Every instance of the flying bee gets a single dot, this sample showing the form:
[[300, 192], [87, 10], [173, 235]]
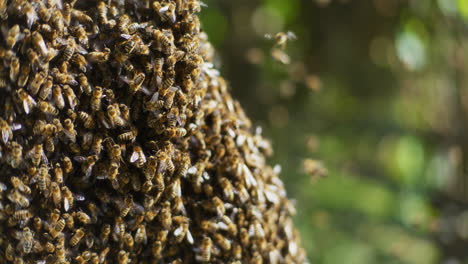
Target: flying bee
[[47, 108], [138, 157], [56, 193], [13, 36], [14, 69], [7, 130], [96, 99], [76, 238], [18, 184], [128, 136], [314, 168], [69, 130], [71, 97], [281, 38], [39, 44], [99, 56], [18, 199], [46, 88], [37, 82], [37, 155]]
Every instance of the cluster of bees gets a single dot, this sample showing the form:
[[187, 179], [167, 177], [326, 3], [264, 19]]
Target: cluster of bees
[[120, 142]]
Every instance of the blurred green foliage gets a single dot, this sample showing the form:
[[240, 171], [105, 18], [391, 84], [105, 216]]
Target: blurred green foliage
[[378, 90]]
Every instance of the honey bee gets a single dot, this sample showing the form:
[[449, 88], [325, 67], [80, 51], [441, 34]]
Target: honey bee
[[83, 217], [138, 157], [13, 36], [173, 132], [69, 130], [39, 43], [7, 130], [37, 155], [81, 16], [87, 164], [71, 97], [43, 178], [26, 100], [84, 84], [67, 165], [165, 216], [228, 189], [126, 205], [22, 215], [9, 252], [150, 168], [27, 240], [136, 82], [14, 69], [18, 184], [68, 199], [113, 112], [166, 12], [281, 38], [123, 257], [76, 238], [69, 221], [96, 99], [122, 23], [314, 168], [102, 12], [206, 248], [140, 235], [46, 88], [56, 193], [88, 121], [47, 108], [128, 136], [222, 241], [49, 247], [163, 42], [156, 250], [57, 228], [105, 232], [36, 83], [98, 56]]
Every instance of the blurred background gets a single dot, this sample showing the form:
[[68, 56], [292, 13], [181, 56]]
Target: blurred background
[[377, 90]]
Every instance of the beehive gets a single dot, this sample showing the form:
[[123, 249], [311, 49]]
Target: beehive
[[120, 142]]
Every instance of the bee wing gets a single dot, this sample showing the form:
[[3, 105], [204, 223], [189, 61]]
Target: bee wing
[[66, 204], [5, 135], [291, 35], [134, 157]]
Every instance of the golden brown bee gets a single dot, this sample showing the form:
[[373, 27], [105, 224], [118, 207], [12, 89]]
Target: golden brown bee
[[205, 248], [69, 130], [166, 12], [67, 165], [165, 216], [113, 112], [49, 247], [37, 155], [71, 97], [22, 215], [136, 82], [105, 232], [96, 99], [140, 235], [227, 188], [46, 88], [47, 108], [163, 42], [14, 69], [126, 205], [69, 221], [83, 217], [98, 56], [27, 240], [39, 43], [18, 184], [26, 100], [123, 257], [68, 199], [84, 84], [56, 193], [13, 36], [314, 168], [81, 16], [76, 238], [281, 38], [43, 178], [138, 157], [7, 130], [88, 121], [57, 228], [128, 136], [175, 132], [122, 23], [156, 250], [9, 252], [36, 82]]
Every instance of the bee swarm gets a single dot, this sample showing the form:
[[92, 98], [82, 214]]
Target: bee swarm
[[120, 142]]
